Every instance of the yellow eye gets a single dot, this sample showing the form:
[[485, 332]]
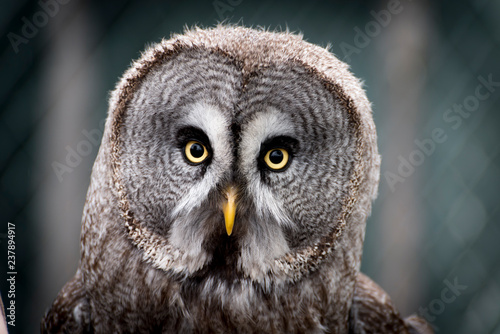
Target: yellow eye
[[276, 159], [195, 152]]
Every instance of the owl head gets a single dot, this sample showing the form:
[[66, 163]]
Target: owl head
[[239, 153]]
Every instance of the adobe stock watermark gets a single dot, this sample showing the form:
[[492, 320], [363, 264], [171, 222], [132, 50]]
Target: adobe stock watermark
[[453, 116], [10, 307], [223, 6], [437, 306], [74, 156], [30, 28], [372, 29]]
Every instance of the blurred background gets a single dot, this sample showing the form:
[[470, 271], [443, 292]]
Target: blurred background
[[431, 70]]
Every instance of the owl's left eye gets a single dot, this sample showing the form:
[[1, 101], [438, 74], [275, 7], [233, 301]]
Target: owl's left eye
[[277, 153], [195, 152], [276, 158]]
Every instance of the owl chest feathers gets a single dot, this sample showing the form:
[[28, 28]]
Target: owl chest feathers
[[222, 303], [215, 299]]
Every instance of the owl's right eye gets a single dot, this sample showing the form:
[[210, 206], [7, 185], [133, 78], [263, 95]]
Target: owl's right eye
[[195, 152]]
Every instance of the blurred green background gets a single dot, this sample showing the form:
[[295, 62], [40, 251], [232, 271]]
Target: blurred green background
[[431, 70]]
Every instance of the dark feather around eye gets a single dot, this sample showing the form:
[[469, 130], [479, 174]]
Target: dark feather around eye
[[186, 134]]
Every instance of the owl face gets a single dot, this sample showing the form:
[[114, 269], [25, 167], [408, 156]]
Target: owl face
[[231, 170], [235, 153]]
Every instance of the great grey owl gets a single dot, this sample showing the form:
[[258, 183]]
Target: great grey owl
[[230, 194]]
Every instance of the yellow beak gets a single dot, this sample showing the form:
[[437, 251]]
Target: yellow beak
[[229, 208]]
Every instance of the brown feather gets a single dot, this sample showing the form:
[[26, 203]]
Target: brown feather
[[372, 311]]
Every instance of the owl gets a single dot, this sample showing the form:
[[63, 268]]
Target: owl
[[230, 195]]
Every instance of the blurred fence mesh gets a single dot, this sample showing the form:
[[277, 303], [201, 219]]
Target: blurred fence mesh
[[431, 70]]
